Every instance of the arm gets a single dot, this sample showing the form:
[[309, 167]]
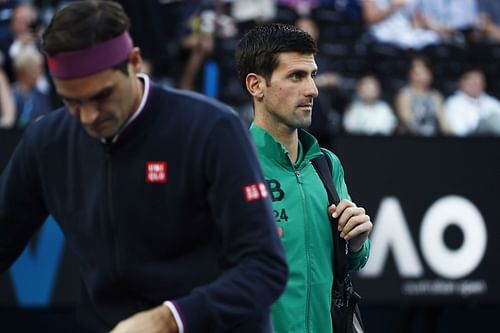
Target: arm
[[390, 121], [350, 119], [443, 125], [403, 110], [372, 14], [489, 27], [355, 224], [21, 206], [255, 269], [7, 106], [426, 22], [452, 111]]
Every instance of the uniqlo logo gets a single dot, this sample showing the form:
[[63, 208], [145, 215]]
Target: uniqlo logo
[[255, 192], [156, 172], [51, 62]]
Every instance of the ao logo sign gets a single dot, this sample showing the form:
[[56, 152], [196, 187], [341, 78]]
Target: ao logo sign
[[390, 233]]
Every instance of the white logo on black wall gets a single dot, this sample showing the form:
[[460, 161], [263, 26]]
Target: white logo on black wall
[[391, 233]]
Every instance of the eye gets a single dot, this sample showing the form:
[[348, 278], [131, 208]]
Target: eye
[[102, 96], [297, 75]]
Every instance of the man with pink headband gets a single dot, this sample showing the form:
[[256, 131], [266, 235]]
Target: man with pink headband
[[158, 192]]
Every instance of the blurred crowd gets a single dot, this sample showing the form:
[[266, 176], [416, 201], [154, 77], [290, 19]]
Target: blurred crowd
[[386, 67]]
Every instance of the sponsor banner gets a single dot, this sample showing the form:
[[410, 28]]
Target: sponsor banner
[[434, 203]]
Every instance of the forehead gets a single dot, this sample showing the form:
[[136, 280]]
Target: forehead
[[368, 80], [289, 61], [473, 76], [88, 85], [420, 66]]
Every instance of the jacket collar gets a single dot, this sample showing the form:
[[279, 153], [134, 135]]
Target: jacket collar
[[271, 149]]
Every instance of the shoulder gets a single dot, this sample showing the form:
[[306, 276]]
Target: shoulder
[[404, 91], [333, 158], [436, 95], [191, 103], [51, 125], [491, 99], [456, 98], [48, 132], [195, 116], [338, 174]]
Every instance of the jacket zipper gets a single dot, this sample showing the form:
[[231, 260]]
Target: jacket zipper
[[308, 259], [109, 192]]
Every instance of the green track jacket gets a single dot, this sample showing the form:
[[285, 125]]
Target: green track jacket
[[300, 205]]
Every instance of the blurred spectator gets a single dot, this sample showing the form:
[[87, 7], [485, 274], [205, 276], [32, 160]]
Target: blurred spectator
[[301, 7], [419, 107], [7, 108], [24, 28], [198, 40], [453, 22], [249, 13], [394, 22], [368, 114], [489, 19], [471, 111], [30, 101], [6, 8], [206, 21]]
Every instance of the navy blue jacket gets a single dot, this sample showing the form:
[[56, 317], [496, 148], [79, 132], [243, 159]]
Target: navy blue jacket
[[199, 236]]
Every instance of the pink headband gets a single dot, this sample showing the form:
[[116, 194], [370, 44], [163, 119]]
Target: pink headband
[[80, 63]]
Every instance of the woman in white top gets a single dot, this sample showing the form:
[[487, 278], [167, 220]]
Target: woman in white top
[[368, 114]]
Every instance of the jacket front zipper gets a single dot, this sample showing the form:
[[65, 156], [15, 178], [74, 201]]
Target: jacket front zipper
[[306, 246], [109, 196]]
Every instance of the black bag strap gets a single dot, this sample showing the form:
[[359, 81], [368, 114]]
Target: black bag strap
[[324, 169]]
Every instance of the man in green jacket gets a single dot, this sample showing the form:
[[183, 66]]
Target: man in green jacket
[[276, 64]]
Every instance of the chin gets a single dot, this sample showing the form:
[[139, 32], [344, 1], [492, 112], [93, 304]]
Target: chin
[[304, 125], [98, 134]]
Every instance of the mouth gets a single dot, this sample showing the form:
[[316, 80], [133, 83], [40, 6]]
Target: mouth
[[307, 106]]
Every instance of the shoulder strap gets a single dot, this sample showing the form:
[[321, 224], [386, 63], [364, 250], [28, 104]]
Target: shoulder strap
[[324, 169]]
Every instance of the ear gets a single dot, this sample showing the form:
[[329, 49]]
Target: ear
[[135, 59], [255, 85]]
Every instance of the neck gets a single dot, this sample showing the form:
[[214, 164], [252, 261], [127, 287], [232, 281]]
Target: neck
[[24, 87], [418, 88], [285, 135], [138, 97]]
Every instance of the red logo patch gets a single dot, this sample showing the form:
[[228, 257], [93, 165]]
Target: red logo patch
[[254, 192], [156, 172], [51, 62]]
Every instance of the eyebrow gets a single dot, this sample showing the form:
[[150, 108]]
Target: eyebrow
[[302, 72], [98, 96]]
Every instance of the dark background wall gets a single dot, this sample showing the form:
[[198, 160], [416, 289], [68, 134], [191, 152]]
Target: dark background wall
[[411, 283]]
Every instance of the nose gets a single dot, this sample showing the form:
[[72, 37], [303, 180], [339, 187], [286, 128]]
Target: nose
[[311, 89], [88, 113]]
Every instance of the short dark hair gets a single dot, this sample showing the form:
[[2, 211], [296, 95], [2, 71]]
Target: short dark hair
[[83, 24], [258, 50], [420, 59]]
